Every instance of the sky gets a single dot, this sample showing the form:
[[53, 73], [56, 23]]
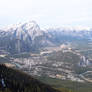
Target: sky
[[47, 13]]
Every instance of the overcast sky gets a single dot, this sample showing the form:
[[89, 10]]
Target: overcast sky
[[47, 13]]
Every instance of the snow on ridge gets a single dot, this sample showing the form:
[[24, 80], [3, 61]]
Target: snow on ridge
[[27, 25], [70, 28], [33, 25]]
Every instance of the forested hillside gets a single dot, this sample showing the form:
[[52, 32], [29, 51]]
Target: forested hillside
[[15, 81]]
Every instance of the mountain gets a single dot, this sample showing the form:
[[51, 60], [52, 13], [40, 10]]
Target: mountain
[[26, 37], [70, 34], [23, 38], [12, 80], [60, 57]]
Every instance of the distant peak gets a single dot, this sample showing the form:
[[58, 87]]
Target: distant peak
[[70, 28], [26, 25]]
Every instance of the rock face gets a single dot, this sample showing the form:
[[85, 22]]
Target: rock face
[[84, 62], [23, 38]]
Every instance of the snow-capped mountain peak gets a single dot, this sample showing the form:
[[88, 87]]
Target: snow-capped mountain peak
[[70, 28], [26, 36], [14, 26]]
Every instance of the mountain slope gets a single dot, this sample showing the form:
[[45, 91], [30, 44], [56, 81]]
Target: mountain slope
[[23, 38], [28, 37], [15, 81]]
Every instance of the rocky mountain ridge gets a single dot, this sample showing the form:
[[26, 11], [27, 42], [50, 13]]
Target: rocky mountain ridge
[[26, 37]]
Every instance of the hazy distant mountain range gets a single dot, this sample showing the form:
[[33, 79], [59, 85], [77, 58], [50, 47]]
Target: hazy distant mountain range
[[28, 36]]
